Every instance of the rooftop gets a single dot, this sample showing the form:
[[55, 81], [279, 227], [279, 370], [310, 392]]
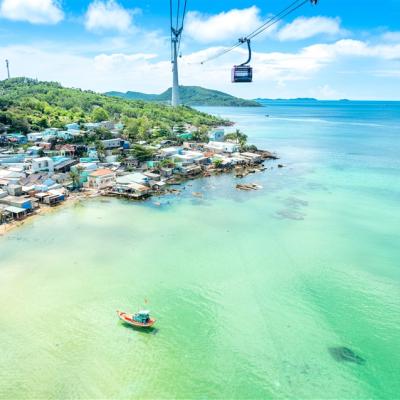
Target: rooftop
[[101, 172]]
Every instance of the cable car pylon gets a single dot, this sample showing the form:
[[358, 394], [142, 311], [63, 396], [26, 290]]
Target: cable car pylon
[[175, 100], [176, 36]]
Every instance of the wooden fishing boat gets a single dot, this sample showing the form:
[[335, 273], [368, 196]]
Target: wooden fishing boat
[[141, 319]]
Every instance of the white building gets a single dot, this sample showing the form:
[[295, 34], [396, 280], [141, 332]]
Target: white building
[[101, 179], [42, 164], [189, 156], [170, 151], [222, 147], [112, 143], [133, 178], [34, 136]]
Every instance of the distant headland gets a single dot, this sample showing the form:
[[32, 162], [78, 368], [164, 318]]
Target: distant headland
[[190, 96]]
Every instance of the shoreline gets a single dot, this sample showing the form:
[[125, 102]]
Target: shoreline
[[75, 197]]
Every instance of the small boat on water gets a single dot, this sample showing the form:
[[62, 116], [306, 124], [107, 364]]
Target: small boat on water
[[141, 319]]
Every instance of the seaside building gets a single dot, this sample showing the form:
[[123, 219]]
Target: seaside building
[[101, 179], [17, 201], [222, 147], [42, 164], [137, 177], [135, 190], [14, 190], [188, 156], [217, 135]]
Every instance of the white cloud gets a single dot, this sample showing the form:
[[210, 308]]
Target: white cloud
[[108, 15], [228, 25], [354, 48], [325, 92], [391, 36], [111, 62], [281, 67], [387, 73], [304, 28], [273, 71], [33, 11]]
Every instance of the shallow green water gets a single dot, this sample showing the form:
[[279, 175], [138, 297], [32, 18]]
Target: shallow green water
[[250, 289]]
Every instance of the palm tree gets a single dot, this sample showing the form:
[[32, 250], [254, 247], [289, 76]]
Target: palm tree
[[101, 151], [239, 137], [75, 175], [2, 216], [76, 178]]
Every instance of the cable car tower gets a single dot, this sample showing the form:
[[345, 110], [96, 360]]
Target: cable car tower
[[8, 69], [177, 22], [244, 72]]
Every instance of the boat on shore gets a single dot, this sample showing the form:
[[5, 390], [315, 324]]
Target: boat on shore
[[141, 319]]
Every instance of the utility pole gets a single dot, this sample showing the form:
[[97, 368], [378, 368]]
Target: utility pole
[[8, 69], [175, 101]]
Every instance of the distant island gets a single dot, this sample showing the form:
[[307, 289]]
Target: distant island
[[295, 100], [190, 96]]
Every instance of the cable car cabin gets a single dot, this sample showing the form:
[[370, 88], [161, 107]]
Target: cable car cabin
[[242, 74]]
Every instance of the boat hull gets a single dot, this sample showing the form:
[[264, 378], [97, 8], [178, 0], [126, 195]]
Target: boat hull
[[127, 318]]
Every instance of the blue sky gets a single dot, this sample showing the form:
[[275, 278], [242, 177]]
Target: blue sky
[[337, 49]]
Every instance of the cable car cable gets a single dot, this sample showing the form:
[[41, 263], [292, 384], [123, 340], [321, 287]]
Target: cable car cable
[[272, 21], [182, 25], [177, 15], [276, 21], [170, 19], [254, 33]]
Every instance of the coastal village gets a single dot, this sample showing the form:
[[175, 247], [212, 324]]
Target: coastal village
[[40, 170]]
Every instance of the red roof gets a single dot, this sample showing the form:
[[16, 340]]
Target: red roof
[[102, 172]]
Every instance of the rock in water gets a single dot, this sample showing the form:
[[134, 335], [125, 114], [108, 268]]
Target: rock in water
[[344, 354]]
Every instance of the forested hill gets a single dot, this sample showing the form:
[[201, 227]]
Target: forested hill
[[191, 96], [30, 105]]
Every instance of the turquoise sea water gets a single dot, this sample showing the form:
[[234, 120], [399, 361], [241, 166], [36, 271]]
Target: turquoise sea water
[[253, 291]]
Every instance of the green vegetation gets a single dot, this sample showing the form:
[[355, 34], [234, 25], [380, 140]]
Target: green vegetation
[[75, 176], [217, 163], [239, 137], [142, 153], [191, 96], [30, 105]]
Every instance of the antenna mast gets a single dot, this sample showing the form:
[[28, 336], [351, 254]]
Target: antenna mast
[[8, 69]]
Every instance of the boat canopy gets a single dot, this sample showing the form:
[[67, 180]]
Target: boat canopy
[[142, 316], [143, 312]]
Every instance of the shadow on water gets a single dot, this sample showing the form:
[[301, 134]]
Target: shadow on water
[[290, 214], [149, 331], [344, 354]]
